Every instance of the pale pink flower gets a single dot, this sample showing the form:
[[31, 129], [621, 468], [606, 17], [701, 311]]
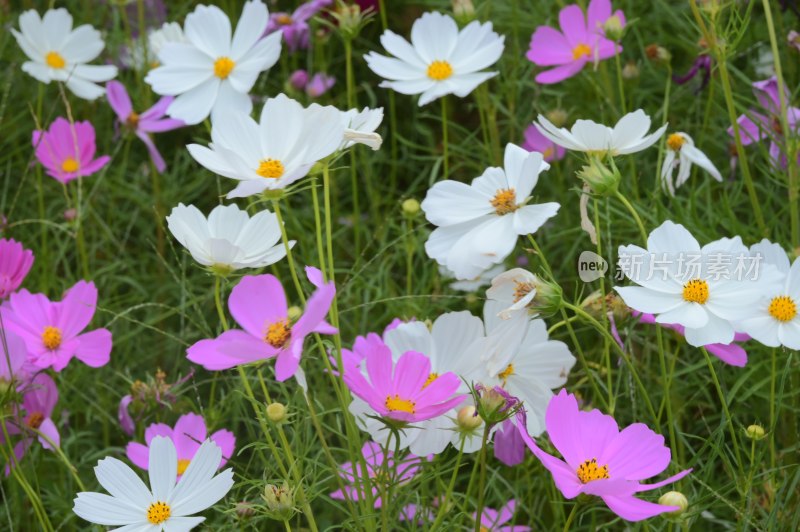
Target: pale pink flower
[[67, 150]]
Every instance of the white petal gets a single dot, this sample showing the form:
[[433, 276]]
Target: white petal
[[105, 510], [197, 490], [195, 105], [162, 467], [229, 101], [208, 28], [122, 483], [249, 29], [82, 45], [530, 218]]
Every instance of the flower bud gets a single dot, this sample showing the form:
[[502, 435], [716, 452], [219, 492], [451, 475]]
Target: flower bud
[[244, 510], [658, 54], [464, 11], [298, 80], [595, 302], [468, 419], [351, 19], [548, 298], [410, 207], [276, 412], [557, 116], [494, 404], [614, 28], [630, 70], [279, 500], [601, 179], [674, 498], [755, 432], [221, 270], [294, 312]]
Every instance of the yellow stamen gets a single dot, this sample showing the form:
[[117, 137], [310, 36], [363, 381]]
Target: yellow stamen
[[582, 50], [223, 67], [35, 420], [51, 337], [283, 19], [695, 291], [783, 308], [133, 119], [70, 165], [432, 377], [278, 334], [505, 201], [270, 168], [547, 153], [440, 70], [183, 463], [506, 373], [589, 471], [675, 141], [55, 60], [521, 290], [158, 512], [395, 404]]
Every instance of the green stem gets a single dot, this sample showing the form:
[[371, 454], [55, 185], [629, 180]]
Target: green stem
[[773, 378], [571, 517], [666, 385], [482, 478], [633, 212], [620, 85], [218, 302], [290, 259], [728, 417], [448, 494]]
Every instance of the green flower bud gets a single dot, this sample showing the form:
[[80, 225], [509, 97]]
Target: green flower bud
[[613, 28], [464, 11], [755, 432], [294, 312], [276, 412], [674, 498], [558, 117], [468, 419], [601, 179], [410, 207], [279, 500]]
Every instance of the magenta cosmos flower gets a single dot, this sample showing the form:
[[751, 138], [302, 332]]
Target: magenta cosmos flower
[[580, 41], [15, 263], [52, 330], [601, 460], [295, 25], [406, 392], [67, 150], [151, 121], [258, 304], [33, 417], [495, 521], [357, 475], [189, 433], [535, 141], [756, 126]]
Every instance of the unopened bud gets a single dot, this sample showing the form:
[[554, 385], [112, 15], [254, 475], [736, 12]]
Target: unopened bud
[[468, 419], [614, 28], [410, 207], [548, 299], [630, 70], [557, 116], [601, 179], [279, 500], [595, 304], [351, 19], [658, 54], [221, 270], [244, 510], [298, 80], [276, 412], [294, 312], [755, 432], [674, 498], [463, 10]]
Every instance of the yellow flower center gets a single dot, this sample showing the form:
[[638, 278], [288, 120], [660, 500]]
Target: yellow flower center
[[582, 50], [521, 290], [589, 471], [158, 512], [55, 60], [278, 334], [270, 168], [432, 377], [783, 308], [396, 404], [440, 70], [35, 420], [695, 291], [548, 152], [70, 165], [506, 373], [223, 67], [283, 19], [133, 119], [505, 201], [675, 141], [51, 337], [183, 463]]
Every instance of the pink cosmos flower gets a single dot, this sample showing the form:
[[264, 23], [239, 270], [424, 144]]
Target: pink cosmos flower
[[295, 25], [535, 141], [319, 85], [189, 433], [493, 520], [67, 150], [258, 304], [15, 263], [13, 358], [52, 331], [39, 398], [756, 126], [580, 41], [151, 121], [402, 471], [601, 460], [407, 392]]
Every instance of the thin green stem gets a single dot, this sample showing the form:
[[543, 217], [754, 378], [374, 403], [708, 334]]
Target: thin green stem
[[289, 258], [728, 418], [218, 302], [634, 213], [449, 493], [620, 85], [571, 517], [482, 478]]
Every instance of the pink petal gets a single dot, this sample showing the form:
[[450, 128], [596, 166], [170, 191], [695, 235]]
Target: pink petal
[[256, 302], [509, 447], [158, 161], [119, 100], [188, 434], [549, 47], [48, 429], [157, 429], [138, 454], [732, 354], [564, 476], [94, 348], [636, 453], [410, 374], [317, 308], [227, 442], [77, 308], [573, 24], [561, 73], [632, 509]]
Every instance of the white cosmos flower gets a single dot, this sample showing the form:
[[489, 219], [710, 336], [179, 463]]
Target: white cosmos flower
[[59, 53], [168, 32], [229, 239], [439, 60], [629, 135], [524, 361], [452, 344], [274, 153], [213, 72], [360, 127], [165, 506], [479, 223], [704, 289], [777, 321], [681, 152], [514, 290], [472, 285]]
